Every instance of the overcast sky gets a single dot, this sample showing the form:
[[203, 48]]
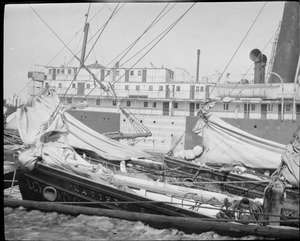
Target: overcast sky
[[35, 34]]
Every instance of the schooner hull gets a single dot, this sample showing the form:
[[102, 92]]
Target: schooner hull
[[240, 188], [68, 187]]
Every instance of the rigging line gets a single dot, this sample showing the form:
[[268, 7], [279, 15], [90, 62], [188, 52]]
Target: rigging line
[[90, 31], [64, 45], [268, 42], [53, 57], [239, 46], [64, 95], [53, 31], [166, 32], [169, 28], [93, 36], [76, 74], [253, 64], [97, 13], [46, 65], [87, 14], [102, 28], [146, 45], [157, 19], [105, 25], [134, 121], [277, 51], [132, 44], [67, 48]]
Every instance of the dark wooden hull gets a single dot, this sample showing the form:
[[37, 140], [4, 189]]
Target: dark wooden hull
[[73, 188], [197, 173]]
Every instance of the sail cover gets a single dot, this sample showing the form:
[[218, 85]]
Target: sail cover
[[289, 167], [31, 118], [227, 145]]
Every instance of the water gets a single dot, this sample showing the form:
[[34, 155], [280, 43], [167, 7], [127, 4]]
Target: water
[[21, 224]]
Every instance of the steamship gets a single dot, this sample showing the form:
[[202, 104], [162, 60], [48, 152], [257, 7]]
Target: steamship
[[166, 102]]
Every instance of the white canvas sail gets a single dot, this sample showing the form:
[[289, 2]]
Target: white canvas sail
[[228, 145], [30, 119]]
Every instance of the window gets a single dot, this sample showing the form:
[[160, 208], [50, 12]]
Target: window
[[197, 88], [108, 72], [117, 72], [171, 75], [161, 88], [137, 87], [197, 105], [201, 89], [73, 85], [132, 73], [69, 100], [114, 102], [154, 104], [63, 71], [69, 71], [150, 88], [50, 71], [139, 73], [60, 85], [128, 103], [175, 105], [97, 101], [252, 106], [145, 104], [270, 107], [225, 106], [88, 86], [126, 87], [58, 71], [287, 107], [177, 88]]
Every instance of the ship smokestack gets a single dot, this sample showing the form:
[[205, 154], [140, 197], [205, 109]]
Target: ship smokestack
[[287, 50], [260, 61], [198, 63]]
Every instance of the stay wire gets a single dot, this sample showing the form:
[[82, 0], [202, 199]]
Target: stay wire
[[133, 43], [157, 19], [278, 51], [104, 27], [238, 47], [251, 66], [166, 32]]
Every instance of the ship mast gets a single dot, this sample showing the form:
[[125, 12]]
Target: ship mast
[[138, 125], [270, 67], [82, 58], [85, 31]]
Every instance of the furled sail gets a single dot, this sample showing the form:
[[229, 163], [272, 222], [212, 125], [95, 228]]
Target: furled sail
[[30, 120], [227, 145], [52, 148], [289, 167]]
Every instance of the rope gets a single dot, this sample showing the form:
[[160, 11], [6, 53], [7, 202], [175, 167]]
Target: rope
[[163, 35], [239, 46], [244, 206], [222, 182], [170, 152], [133, 43], [138, 126], [105, 25], [278, 50]]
